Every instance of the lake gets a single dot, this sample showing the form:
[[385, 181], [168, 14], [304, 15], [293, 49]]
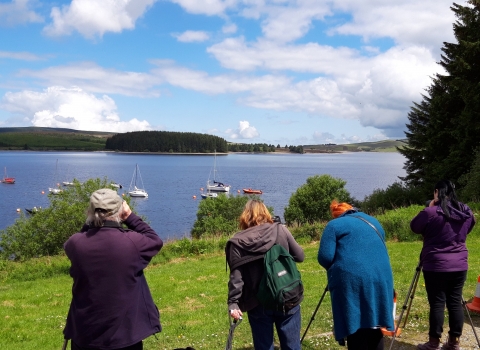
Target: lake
[[172, 180]]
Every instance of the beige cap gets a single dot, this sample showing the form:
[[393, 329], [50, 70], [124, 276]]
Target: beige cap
[[106, 199]]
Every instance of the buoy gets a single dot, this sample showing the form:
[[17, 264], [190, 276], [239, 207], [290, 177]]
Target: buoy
[[194, 197], [238, 191], [123, 194], [397, 329], [43, 192], [201, 188], [58, 184], [18, 210], [475, 304]]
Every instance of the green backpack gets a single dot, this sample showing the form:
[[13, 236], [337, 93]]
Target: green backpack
[[281, 286]]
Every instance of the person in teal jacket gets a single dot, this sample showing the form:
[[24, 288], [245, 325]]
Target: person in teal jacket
[[360, 277]]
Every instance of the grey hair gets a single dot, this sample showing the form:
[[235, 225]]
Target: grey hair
[[98, 217]]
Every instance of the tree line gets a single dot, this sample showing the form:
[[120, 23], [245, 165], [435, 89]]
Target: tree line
[[166, 141]]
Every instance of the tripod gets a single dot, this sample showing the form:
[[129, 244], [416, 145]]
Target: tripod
[[314, 313], [409, 300]]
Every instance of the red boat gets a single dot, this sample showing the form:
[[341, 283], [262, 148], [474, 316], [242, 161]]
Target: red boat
[[8, 180], [250, 191]]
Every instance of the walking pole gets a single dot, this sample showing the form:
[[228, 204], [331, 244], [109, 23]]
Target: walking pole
[[314, 313], [233, 325], [471, 322], [408, 300]]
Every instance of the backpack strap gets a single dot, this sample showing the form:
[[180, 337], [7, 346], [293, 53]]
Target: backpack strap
[[372, 226]]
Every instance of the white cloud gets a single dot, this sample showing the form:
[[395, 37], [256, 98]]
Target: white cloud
[[23, 56], [72, 108], [18, 12], [323, 137], [244, 131], [206, 7], [94, 18], [93, 78], [229, 28], [190, 36]]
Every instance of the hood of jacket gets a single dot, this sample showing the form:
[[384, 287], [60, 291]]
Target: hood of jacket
[[457, 215], [250, 244]]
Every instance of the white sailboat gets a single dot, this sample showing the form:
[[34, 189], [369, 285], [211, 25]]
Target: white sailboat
[[133, 190], [216, 186], [55, 190]]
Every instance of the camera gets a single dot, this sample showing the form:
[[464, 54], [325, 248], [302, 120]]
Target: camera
[[276, 218]]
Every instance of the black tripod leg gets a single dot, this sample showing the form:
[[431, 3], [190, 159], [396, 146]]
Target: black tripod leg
[[412, 295], [314, 313], [471, 322], [408, 300]]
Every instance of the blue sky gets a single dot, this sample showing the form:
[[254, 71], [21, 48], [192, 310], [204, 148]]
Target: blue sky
[[252, 71]]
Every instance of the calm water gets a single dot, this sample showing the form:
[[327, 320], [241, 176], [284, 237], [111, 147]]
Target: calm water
[[172, 180]]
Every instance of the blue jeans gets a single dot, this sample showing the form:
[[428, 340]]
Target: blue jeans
[[287, 325]]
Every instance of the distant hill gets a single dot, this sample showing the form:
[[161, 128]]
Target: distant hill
[[43, 139], [378, 146]]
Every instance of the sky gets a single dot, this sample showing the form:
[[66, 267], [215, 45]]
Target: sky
[[250, 71]]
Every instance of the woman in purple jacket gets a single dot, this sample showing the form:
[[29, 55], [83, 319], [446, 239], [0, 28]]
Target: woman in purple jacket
[[111, 307], [444, 225]]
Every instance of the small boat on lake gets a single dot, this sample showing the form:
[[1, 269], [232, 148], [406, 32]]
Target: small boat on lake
[[134, 191], [252, 191], [8, 180], [55, 190], [216, 186], [209, 195], [115, 185], [33, 210]]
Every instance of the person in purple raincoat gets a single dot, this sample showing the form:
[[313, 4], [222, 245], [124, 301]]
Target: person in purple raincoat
[[444, 225]]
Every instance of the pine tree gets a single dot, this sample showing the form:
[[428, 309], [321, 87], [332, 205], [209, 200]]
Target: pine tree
[[444, 128]]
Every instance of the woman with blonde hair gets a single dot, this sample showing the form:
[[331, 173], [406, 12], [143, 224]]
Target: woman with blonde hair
[[352, 250], [245, 252]]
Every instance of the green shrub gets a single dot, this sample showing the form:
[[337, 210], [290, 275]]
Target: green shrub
[[311, 201], [44, 233], [308, 232], [396, 223], [219, 216], [394, 196]]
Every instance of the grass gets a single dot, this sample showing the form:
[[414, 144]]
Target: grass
[[191, 292]]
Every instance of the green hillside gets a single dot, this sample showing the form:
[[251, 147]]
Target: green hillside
[[40, 139], [378, 146]]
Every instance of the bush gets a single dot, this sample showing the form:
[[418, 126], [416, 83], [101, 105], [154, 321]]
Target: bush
[[307, 233], [311, 201], [219, 216], [396, 223], [44, 233], [394, 196]]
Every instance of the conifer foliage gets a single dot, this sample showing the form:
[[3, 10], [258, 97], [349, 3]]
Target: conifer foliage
[[444, 128]]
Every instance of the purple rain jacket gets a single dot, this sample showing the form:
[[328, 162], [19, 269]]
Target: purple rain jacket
[[111, 305], [444, 248]]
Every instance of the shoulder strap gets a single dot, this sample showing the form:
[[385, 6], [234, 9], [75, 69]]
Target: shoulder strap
[[372, 226]]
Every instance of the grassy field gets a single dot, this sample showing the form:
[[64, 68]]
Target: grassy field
[[191, 292]]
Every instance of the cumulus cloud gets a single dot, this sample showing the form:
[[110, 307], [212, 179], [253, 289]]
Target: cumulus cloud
[[18, 12], [190, 36], [94, 18], [72, 108], [244, 131]]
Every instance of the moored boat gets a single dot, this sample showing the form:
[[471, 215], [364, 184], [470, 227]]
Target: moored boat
[[252, 191], [6, 179]]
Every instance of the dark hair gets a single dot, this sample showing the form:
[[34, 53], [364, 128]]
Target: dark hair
[[446, 193]]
